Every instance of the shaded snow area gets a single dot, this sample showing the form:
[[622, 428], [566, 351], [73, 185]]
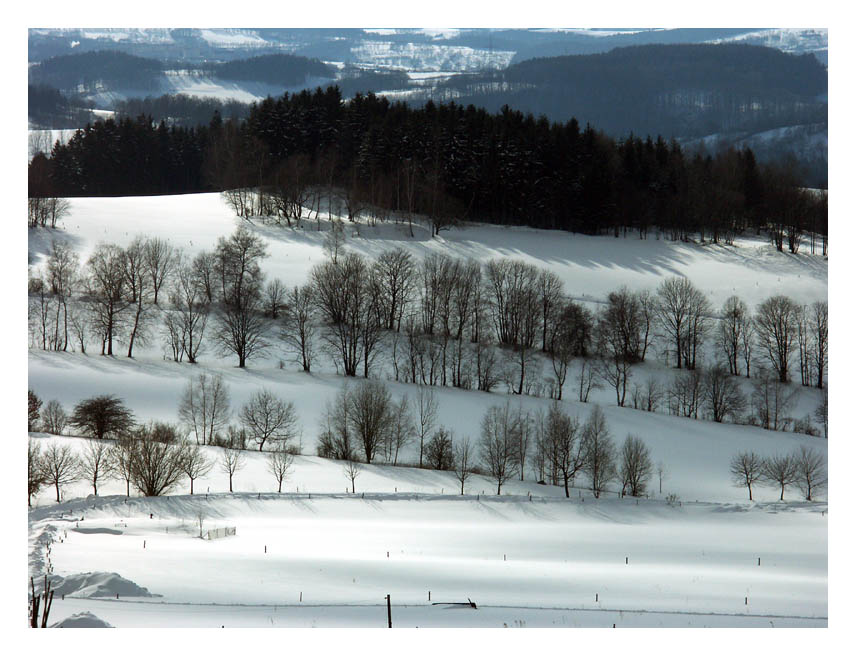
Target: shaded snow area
[[82, 619], [97, 585], [302, 560]]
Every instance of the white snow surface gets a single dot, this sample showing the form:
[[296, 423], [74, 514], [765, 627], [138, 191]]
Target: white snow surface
[[330, 559], [692, 564]]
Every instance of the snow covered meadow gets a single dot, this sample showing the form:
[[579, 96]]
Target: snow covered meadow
[[317, 555]]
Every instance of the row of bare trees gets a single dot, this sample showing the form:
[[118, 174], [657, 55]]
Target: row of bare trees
[[805, 469], [141, 460], [440, 321], [562, 449]]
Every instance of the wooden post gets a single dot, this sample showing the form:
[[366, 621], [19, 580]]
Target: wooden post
[[626, 561], [389, 613], [745, 600], [301, 599], [760, 561], [429, 596], [596, 597]]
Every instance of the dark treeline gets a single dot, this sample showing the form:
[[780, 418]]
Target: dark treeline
[[445, 162], [48, 107], [678, 90], [89, 69], [181, 109], [281, 69]]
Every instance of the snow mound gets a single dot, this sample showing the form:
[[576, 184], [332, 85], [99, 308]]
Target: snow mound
[[83, 619], [98, 585]]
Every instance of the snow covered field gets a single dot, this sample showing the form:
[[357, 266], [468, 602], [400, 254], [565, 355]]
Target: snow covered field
[[310, 559], [689, 565]]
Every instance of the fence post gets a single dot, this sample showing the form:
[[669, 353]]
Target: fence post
[[389, 613]]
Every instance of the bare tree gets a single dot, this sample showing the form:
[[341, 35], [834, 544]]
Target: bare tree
[[231, 461], [746, 470], [396, 273], [204, 407], [599, 453], [723, 395], [686, 393], [204, 267], [195, 464], [648, 397], [818, 340], [426, 415], [780, 470], [236, 266], [335, 440], [280, 463], [371, 415], [524, 436], [242, 328], [275, 298], [33, 406], [138, 292], [586, 380], [191, 301], [811, 472], [348, 308], [499, 443], [624, 325], [772, 401], [160, 259], [439, 450], [352, 470], [121, 454], [63, 266], [101, 417], [636, 468], [156, 467], [732, 330], [682, 312], [821, 413], [615, 371], [334, 240], [61, 466], [463, 458], [36, 475], [776, 329], [269, 418], [549, 288], [402, 429], [105, 286], [40, 311], [299, 324], [96, 463], [564, 445]]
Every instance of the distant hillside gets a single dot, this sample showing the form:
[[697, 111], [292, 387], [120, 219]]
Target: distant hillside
[[109, 70], [285, 70], [89, 70], [677, 91]]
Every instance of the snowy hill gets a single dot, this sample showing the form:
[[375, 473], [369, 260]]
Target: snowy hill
[[318, 554]]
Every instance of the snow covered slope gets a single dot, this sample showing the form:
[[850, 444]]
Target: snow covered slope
[[316, 556], [310, 559]]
